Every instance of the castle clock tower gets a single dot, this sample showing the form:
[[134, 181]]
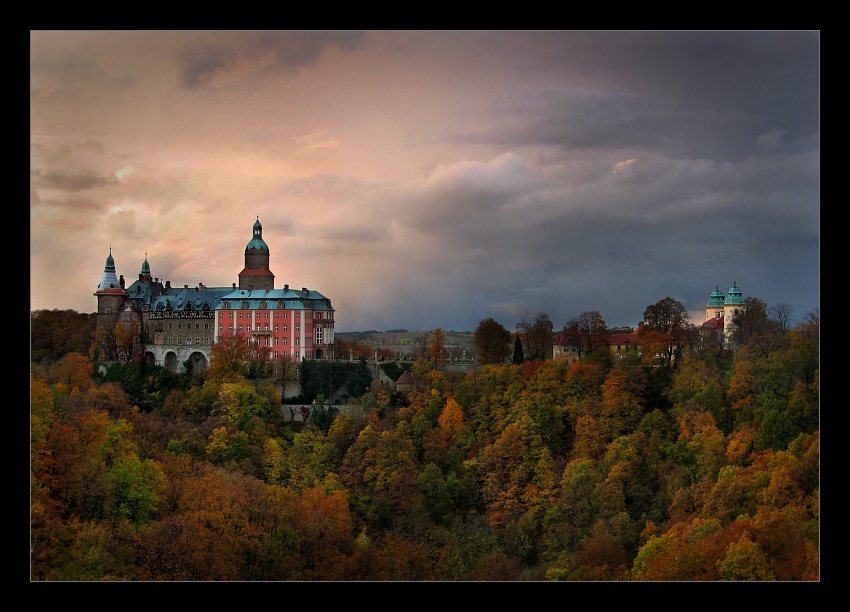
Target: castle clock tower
[[256, 274]]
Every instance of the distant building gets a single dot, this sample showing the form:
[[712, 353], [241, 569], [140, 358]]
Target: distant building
[[178, 326], [619, 345], [721, 310], [406, 381]]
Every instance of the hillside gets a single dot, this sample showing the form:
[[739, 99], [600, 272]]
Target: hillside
[[409, 342]]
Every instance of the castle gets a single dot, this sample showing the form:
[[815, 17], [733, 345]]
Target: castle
[[721, 310], [177, 327]]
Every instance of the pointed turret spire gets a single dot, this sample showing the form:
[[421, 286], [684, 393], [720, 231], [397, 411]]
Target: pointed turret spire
[[109, 279], [146, 267]]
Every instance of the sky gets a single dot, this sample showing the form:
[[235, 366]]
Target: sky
[[425, 179]]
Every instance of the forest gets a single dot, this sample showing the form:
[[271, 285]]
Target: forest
[[685, 461]]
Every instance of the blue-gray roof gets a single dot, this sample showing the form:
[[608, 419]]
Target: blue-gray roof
[[276, 298]]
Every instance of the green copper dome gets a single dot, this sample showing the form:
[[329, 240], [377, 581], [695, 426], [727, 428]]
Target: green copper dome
[[257, 241], [146, 267], [735, 295], [716, 298]]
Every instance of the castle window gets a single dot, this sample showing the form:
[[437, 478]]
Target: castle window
[[180, 341], [179, 326], [240, 328], [188, 341], [276, 315], [231, 315], [285, 342], [221, 315], [171, 341], [240, 315], [277, 328], [126, 327], [221, 329], [230, 329], [285, 314], [284, 329], [276, 339], [267, 316], [267, 327], [298, 328], [319, 334], [197, 339], [298, 315], [266, 340], [297, 341]]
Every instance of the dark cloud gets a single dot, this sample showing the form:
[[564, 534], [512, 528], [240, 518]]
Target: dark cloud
[[290, 50], [77, 180], [75, 74], [200, 64]]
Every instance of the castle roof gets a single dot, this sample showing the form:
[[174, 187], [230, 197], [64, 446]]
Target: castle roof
[[293, 299], [406, 378], [735, 295], [109, 281], [716, 300]]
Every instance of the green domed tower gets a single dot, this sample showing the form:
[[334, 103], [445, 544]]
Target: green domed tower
[[256, 273], [733, 305], [714, 308]]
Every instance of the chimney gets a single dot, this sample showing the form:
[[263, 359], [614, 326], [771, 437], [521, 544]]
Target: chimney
[[121, 281], [286, 287], [304, 289], [234, 285], [168, 284], [185, 286]]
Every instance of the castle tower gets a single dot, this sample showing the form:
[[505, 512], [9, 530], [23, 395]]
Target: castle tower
[[145, 274], [110, 291], [256, 274], [732, 306], [714, 308]]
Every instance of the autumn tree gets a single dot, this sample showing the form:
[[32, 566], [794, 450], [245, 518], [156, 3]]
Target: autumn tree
[[437, 349], [537, 336], [587, 332], [752, 326], [55, 333], [228, 357], [663, 330], [492, 341], [780, 313]]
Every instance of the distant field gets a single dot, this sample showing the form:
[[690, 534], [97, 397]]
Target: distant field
[[407, 341]]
